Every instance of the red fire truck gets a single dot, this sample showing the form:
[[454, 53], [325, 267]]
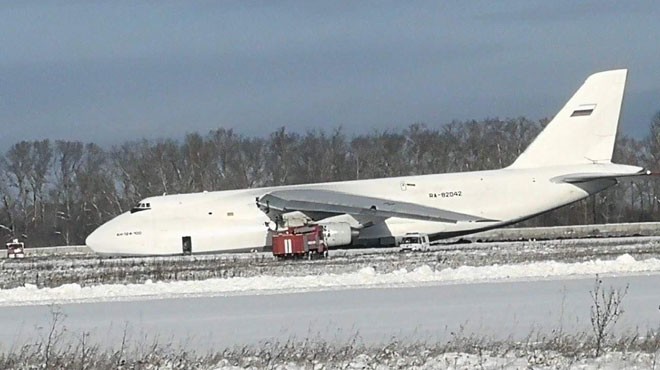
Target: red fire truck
[[298, 242]]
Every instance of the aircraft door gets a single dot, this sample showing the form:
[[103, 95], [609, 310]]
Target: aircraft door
[[186, 245]]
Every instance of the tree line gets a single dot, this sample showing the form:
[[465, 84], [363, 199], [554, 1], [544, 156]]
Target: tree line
[[57, 192]]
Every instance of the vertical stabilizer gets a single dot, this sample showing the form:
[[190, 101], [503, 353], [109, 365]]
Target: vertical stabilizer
[[585, 129]]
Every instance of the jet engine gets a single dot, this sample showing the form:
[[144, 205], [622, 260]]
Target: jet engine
[[337, 233]]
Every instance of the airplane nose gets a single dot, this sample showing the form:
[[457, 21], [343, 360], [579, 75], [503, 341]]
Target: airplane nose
[[103, 240], [123, 235], [98, 239]]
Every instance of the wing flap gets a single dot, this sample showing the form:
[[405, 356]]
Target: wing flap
[[318, 201]]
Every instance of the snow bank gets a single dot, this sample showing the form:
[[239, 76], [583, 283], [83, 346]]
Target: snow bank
[[455, 361], [366, 277]]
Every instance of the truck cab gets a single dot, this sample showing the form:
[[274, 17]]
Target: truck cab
[[15, 249], [414, 242]]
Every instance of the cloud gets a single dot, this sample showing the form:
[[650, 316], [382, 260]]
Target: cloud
[[109, 72]]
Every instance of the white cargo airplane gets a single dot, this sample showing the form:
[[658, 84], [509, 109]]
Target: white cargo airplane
[[568, 161]]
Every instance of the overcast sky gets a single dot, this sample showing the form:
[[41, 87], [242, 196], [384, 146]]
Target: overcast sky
[[115, 70]]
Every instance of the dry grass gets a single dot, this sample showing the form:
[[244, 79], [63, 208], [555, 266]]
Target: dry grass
[[60, 349]]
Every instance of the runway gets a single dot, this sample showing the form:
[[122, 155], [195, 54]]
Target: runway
[[497, 310]]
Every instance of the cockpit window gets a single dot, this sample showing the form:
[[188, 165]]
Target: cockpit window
[[141, 207]]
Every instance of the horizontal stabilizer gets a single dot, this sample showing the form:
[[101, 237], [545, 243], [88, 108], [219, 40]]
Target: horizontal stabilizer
[[617, 172]]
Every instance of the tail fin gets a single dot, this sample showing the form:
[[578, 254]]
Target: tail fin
[[584, 130]]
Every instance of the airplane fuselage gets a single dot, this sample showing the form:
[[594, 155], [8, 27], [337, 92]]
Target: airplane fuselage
[[569, 160], [231, 221]]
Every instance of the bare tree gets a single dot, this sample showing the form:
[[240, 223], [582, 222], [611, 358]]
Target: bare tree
[[40, 159], [251, 163], [17, 169], [7, 221], [70, 188], [280, 156], [606, 310], [226, 168], [198, 162], [68, 157]]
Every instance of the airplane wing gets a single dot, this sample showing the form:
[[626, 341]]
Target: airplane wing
[[319, 204]]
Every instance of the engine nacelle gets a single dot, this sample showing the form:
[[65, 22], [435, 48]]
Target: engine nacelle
[[337, 234]]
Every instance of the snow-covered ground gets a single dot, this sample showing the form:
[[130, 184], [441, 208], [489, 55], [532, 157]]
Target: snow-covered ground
[[365, 277], [501, 325], [492, 289], [56, 270]]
